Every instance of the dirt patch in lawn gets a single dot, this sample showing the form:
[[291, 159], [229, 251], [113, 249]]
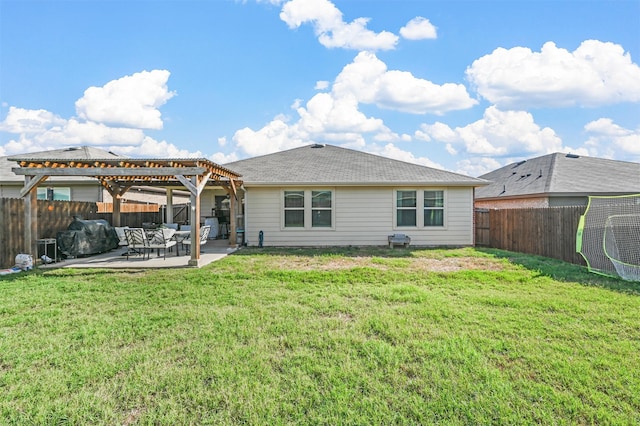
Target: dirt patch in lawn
[[449, 264]]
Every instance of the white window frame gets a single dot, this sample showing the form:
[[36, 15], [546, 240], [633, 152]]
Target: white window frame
[[420, 208], [330, 208], [424, 209], [308, 210], [412, 208], [285, 209]]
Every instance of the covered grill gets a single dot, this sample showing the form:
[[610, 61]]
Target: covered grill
[[85, 237]]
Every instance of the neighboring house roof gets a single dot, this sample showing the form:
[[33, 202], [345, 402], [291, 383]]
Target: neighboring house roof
[[84, 153], [562, 175], [331, 165]]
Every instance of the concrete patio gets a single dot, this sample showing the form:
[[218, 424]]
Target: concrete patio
[[116, 259]]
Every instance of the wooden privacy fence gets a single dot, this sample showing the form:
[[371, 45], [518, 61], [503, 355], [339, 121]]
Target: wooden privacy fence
[[53, 216], [549, 232], [129, 207]]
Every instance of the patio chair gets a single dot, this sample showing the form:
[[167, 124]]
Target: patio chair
[[136, 240], [204, 235], [122, 238], [162, 239]]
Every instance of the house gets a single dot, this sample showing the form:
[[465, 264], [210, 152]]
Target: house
[[557, 180], [323, 195], [77, 188]]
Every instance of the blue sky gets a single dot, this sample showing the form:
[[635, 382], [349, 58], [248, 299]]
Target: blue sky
[[467, 86]]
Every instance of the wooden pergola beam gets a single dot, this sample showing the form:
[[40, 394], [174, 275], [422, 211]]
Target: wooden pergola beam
[[110, 171]]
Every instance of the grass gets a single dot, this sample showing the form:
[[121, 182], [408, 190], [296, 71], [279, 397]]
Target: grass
[[349, 336]]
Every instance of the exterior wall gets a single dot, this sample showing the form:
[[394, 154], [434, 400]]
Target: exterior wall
[[10, 191], [362, 216], [519, 203], [88, 193], [539, 202], [568, 201], [158, 196]]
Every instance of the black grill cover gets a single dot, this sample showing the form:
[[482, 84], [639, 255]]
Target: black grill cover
[[84, 237]]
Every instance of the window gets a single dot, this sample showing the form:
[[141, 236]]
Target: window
[[433, 208], [406, 208], [294, 209], [57, 194], [321, 209], [308, 209], [408, 203]]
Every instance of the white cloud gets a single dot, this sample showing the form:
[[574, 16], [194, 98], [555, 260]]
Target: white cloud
[[596, 73], [152, 148], [605, 133], [437, 131], [19, 120], [222, 158], [498, 133], [326, 113], [392, 137], [331, 29], [321, 85], [131, 101], [111, 117], [335, 117], [392, 151], [477, 166], [369, 80], [89, 133], [43, 130], [275, 136], [418, 28]]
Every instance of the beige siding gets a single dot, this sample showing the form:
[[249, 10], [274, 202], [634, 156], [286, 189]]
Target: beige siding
[[363, 216], [89, 193]]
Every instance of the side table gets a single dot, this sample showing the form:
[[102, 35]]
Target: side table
[[45, 243]]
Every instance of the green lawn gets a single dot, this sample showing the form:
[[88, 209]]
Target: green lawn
[[349, 336]]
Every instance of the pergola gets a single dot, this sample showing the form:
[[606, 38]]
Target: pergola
[[119, 174]]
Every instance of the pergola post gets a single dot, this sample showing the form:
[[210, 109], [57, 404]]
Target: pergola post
[[232, 220], [169, 210], [31, 219], [116, 191], [115, 216], [195, 224]]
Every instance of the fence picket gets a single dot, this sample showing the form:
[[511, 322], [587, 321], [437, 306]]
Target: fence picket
[[548, 232]]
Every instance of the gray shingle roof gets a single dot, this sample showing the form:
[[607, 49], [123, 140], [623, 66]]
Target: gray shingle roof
[[562, 174], [328, 164], [75, 153]]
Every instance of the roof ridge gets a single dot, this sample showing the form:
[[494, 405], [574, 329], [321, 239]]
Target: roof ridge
[[551, 173]]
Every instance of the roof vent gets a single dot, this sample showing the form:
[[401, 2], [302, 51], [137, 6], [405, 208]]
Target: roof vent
[[318, 145], [73, 148], [572, 156], [519, 163]]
